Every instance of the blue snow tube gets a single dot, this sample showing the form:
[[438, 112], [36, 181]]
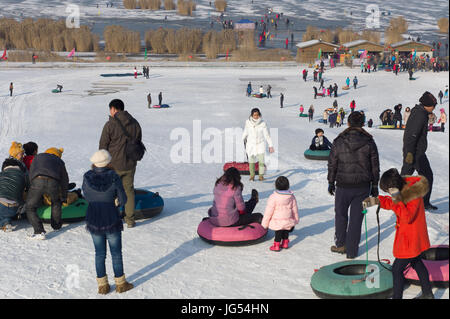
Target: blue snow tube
[[147, 204]]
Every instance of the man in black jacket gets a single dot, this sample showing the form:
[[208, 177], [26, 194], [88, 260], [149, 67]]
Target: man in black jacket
[[114, 141], [48, 175], [415, 143], [353, 172]]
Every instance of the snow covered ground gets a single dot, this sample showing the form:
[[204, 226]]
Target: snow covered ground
[[164, 257]]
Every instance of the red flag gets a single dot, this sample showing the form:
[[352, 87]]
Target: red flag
[[3, 56]]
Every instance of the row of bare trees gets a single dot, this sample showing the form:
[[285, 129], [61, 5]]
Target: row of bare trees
[[184, 7], [46, 35]]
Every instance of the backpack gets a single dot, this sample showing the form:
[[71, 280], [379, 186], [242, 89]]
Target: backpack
[[134, 149]]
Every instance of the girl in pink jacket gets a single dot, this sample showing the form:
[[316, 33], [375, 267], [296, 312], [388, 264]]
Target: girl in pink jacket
[[281, 214]]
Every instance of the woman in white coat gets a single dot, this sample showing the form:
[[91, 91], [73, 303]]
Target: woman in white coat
[[255, 137]]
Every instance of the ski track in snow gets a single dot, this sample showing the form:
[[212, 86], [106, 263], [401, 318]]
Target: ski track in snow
[[164, 257]]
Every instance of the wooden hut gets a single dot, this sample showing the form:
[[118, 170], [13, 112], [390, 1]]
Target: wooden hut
[[362, 45], [407, 46], [308, 51]]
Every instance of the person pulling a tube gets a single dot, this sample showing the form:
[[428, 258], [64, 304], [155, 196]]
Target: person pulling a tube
[[411, 237]]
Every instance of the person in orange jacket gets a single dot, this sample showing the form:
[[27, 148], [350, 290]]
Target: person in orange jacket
[[411, 237]]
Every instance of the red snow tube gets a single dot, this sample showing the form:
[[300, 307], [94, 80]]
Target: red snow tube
[[436, 262], [243, 168], [231, 236]]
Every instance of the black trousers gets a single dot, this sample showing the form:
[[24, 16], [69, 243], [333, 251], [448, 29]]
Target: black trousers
[[282, 234], [38, 188], [398, 268], [248, 217], [348, 226], [422, 166]]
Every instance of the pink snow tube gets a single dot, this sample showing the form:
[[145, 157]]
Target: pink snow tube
[[231, 236], [436, 261]]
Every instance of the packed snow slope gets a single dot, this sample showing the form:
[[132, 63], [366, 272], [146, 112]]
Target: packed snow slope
[[164, 257]]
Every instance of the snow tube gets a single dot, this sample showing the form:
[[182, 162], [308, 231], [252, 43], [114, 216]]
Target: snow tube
[[243, 168], [412, 79], [347, 280], [320, 94], [146, 204], [346, 87], [74, 212], [118, 74], [56, 91], [303, 115], [317, 155], [436, 261], [162, 106], [388, 70], [231, 236], [387, 127], [259, 95]]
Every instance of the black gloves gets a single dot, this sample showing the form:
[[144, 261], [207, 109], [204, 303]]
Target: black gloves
[[331, 189]]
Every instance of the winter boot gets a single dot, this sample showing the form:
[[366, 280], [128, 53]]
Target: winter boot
[[425, 296], [103, 285], [255, 195], [252, 178], [122, 285], [285, 243], [261, 177], [339, 250], [275, 246]]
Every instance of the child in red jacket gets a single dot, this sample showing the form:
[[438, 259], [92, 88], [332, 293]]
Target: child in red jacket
[[411, 237], [31, 149]]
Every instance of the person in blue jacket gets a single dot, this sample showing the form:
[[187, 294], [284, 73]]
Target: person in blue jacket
[[320, 142], [103, 190], [347, 81], [249, 89], [355, 82]]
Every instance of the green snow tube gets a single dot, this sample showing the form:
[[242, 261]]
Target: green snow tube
[[75, 212], [56, 91], [317, 155], [303, 115], [348, 280]]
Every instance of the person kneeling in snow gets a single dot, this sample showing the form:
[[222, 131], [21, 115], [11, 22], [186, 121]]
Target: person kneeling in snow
[[320, 142], [411, 237], [48, 175]]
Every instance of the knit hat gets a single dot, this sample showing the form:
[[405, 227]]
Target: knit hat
[[101, 158], [15, 149], [442, 110], [55, 151], [428, 99]]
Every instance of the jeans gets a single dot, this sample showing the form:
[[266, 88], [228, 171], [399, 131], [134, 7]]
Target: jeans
[[38, 188], [115, 247], [6, 214], [127, 178]]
